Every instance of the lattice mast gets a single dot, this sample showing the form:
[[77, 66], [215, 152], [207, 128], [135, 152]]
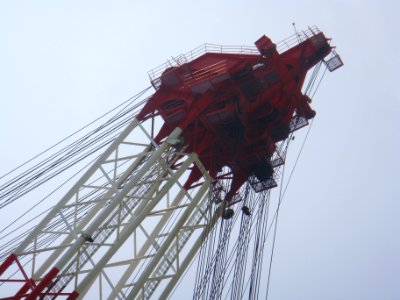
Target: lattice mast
[[221, 108]]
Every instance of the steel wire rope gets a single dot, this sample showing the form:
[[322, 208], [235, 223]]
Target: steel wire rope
[[205, 261], [74, 133], [198, 254], [219, 266], [275, 217], [259, 197], [83, 156], [94, 139], [261, 237], [316, 89], [269, 228], [208, 247], [17, 239], [74, 144], [281, 198], [211, 259], [286, 186], [313, 78], [259, 254], [122, 113], [21, 193], [265, 198], [240, 248], [241, 252], [258, 248], [253, 217], [213, 256], [219, 271], [255, 261], [40, 214], [205, 238], [209, 251], [310, 86]]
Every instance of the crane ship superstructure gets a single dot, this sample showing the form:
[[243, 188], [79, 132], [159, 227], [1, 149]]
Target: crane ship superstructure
[[226, 113]]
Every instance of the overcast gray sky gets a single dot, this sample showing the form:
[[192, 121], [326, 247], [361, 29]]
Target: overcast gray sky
[[63, 63]]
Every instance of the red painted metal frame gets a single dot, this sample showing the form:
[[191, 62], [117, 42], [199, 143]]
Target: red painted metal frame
[[28, 283], [29, 290], [234, 108]]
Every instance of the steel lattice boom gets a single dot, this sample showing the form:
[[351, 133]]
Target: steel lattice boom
[[140, 213]]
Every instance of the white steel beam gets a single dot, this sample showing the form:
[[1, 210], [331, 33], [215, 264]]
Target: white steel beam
[[147, 244], [127, 231], [167, 242], [29, 239], [95, 225], [85, 220], [189, 257], [176, 251], [106, 207]]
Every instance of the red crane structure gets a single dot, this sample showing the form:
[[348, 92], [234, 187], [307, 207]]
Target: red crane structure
[[136, 218]]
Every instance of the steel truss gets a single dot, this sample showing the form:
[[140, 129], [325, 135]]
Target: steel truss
[[122, 230]]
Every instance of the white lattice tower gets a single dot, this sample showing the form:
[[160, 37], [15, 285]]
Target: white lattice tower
[[122, 229]]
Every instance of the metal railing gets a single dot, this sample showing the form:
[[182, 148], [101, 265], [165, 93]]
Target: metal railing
[[296, 39], [281, 46], [155, 73]]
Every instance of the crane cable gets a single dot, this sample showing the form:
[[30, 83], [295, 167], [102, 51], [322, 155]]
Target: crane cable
[[201, 254], [21, 236], [243, 245], [258, 255], [21, 184], [204, 288], [24, 187], [74, 133], [127, 108], [276, 215], [49, 240]]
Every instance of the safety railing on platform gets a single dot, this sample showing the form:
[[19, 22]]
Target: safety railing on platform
[[181, 59], [155, 73], [297, 38]]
